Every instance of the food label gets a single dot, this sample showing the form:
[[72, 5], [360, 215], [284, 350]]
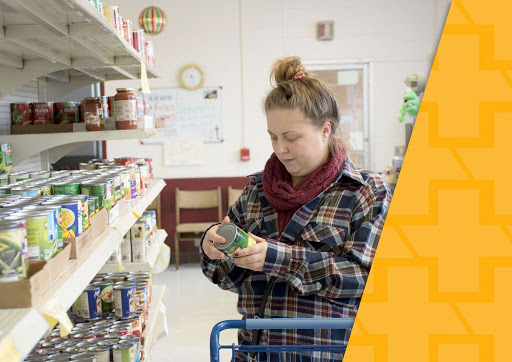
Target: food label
[[93, 118], [125, 110]]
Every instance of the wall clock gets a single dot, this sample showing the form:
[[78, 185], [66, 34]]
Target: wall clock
[[192, 77]]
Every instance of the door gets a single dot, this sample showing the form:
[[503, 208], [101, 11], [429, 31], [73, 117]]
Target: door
[[350, 83]]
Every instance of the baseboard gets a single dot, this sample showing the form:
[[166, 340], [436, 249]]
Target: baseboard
[[187, 257]]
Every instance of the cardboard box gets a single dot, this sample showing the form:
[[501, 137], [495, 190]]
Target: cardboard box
[[47, 128], [59, 261], [80, 243], [159, 122], [26, 292]]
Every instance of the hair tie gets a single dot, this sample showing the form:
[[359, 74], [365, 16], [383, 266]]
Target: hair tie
[[299, 75]]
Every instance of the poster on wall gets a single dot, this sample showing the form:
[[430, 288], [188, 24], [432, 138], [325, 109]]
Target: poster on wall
[[187, 114]]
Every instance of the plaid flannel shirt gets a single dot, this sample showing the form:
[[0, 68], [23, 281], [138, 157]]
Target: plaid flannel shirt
[[323, 274]]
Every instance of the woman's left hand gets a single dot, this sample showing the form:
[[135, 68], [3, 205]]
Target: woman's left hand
[[253, 257]]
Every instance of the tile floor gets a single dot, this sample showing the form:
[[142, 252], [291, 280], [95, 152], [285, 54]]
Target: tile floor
[[194, 306]]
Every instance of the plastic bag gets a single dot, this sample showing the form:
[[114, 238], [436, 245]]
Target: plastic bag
[[163, 259]]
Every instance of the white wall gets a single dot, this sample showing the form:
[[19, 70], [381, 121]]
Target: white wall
[[399, 35]]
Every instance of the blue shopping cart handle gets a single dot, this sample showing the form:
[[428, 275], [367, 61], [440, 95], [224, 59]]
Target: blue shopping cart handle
[[275, 323], [299, 323]]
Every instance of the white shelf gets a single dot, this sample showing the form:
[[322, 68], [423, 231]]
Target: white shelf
[[27, 145], [25, 326], [146, 266], [70, 41], [156, 320]]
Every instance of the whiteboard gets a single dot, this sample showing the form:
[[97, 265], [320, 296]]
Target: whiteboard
[[187, 114]]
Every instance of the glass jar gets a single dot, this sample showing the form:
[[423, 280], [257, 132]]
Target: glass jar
[[93, 114], [125, 108]]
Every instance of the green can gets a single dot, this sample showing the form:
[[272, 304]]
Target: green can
[[56, 211], [66, 188], [46, 190], [95, 201], [92, 207], [106, 295], [101, 190], [38, 240], [13, 250], [236, 239]]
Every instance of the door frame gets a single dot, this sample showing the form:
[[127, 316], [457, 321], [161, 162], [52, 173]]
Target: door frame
[[368, 94]]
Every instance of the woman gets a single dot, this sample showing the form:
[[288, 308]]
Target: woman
[[316, 218]]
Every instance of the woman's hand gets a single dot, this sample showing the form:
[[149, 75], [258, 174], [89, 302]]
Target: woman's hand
[[211, 236], [253, 257]]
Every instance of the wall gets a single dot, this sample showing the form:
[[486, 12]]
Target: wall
[[26, 93], [399, 35]]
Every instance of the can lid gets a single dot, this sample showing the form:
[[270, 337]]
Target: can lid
[[124, 89], [228, 232]]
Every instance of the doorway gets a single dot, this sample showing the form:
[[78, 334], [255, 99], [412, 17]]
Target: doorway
[[351, 83]]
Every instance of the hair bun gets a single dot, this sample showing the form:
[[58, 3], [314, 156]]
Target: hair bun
[[285, 69]]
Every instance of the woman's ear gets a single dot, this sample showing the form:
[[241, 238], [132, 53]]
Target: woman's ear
[[326, 131]]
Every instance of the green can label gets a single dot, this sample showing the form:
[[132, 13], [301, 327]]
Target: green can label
[[13, 252], [38, 239], [66, 189], [236, 239]]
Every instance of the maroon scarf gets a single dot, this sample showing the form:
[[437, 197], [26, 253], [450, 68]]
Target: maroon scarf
[[277, 185]]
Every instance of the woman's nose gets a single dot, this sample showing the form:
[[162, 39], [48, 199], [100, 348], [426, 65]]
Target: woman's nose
[[280, 147]]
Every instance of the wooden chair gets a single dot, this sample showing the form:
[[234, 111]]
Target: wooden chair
[[203, 199], [233, 195]]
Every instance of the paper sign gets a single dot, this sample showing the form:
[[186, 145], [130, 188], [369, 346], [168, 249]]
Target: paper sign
[[8, 351], [144, 78], [53, 312]]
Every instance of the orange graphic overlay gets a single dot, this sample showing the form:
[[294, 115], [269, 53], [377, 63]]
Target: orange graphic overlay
[[440, 287]]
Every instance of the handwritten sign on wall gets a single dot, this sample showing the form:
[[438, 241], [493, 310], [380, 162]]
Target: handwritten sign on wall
[[187, 114]]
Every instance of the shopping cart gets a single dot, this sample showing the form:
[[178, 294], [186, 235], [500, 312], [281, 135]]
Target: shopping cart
[[279, 352]]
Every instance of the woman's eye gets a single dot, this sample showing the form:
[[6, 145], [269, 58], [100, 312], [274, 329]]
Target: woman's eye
[[273, 138], [291, 139]]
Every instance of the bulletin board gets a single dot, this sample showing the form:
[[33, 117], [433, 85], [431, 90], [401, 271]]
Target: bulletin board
[[187, 114]]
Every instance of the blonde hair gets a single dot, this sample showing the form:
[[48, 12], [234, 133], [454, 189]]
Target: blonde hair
[[295, 89]]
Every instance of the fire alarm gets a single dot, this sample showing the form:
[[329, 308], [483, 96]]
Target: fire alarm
[[325, 30], [245, 154]]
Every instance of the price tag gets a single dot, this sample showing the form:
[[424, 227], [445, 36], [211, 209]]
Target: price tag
[[53, 312], [144, 78], [136, 214], [8, 351], [163, 310], [119, 259]]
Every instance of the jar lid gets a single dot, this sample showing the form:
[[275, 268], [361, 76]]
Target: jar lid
[[123, 89], [92, 99]]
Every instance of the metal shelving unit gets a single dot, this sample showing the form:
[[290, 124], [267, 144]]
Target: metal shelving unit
[[68, 41], [22, 328]]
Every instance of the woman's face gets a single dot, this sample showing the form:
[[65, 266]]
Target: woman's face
[[298, 144]]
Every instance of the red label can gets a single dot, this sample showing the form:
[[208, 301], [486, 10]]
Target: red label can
[[66, 112], [21, 114], [137, 40], [150, 163], [43, 112]]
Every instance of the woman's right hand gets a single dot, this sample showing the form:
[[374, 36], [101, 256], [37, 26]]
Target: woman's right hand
[[211, 236]]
